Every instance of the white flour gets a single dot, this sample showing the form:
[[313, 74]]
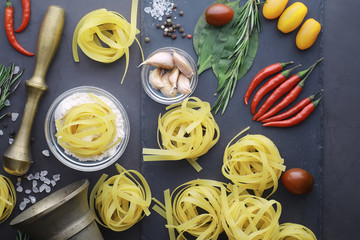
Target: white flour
[[78, 99]]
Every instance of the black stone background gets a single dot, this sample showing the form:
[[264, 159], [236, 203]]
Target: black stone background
[[325, 144]]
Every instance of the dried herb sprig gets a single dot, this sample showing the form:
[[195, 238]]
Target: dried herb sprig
[[22, 236], [8, 83], [245, 25]]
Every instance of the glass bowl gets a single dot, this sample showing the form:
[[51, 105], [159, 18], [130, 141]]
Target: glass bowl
[[156, 95], [58, 150]]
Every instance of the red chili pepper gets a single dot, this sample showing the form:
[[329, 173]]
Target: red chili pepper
[[298, 118], [268, 86], [264, 73], [292, 110], [9, 27], [284, 88], [25, 15]]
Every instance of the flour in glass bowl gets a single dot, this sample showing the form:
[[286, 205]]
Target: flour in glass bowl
[[78, 99]]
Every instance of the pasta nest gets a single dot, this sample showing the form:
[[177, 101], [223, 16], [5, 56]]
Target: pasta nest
[[253, 162], [249, 217], [122, 200], [7, 198], [293, 231]]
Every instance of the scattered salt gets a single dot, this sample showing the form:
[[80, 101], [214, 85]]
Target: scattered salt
[[1, 132], [11, 140], [32, 199], [56, 177], [26, 200], [7, 102], [22, 206], [53, 183], [37, 176], [42, 187], [47, 189], [30, 177], [159, 8], [27, 191], [34, 183], [44, 173], [46, 153], [35, 189], [16, 69], [19, 189], [14, 116]]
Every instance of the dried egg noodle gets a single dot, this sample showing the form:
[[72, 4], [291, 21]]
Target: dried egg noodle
[[195, 209], [7, 198], [102, 27], [253, 162], [88, 129], [122, 200], [248, 217], [188, 130], [293, 231]]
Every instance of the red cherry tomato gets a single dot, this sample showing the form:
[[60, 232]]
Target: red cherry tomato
[[218, 14], [298, 181]]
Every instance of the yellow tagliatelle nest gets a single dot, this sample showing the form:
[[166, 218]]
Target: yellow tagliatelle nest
[[122, 200], [105, 36], [88, 130], [248, 217], [188, 130], [253, 162], [293, 231], [7, 198]]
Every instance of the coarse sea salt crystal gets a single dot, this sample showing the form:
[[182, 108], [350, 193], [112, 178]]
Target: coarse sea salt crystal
[[30, 177], [19, 189], [16, 69], [11, 140], [35, 189], [44, 173], [56, 177], [34, 183], [14, 116], [46, 153], [32, 199], [26, 200], [22, 206], [53, 183], [1, 132], [37, 176], [27, 191], [47, 189], [7, 102], [42, 187], [47, 181]]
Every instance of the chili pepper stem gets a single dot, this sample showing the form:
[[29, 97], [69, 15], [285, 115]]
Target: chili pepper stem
[[286, 63], [286, 73]]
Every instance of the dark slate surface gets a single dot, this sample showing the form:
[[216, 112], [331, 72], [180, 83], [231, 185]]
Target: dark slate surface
[[327, 140]]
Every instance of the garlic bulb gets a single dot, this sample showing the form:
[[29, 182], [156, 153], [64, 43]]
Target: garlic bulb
[[155, 79], [162, 60], [183, 84], [182, 65]]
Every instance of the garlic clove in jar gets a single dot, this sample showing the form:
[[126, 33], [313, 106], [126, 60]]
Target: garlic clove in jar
[[155, 79], [167, 89], [183, 65], [173, 76], [183, 84], [162, 60]]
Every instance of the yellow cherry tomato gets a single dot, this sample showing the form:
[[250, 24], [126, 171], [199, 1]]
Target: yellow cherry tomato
[[292, 17], [307, 34], [273, 8]]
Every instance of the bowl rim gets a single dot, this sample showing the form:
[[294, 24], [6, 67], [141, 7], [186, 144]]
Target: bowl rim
[[72, 162], [153, 93]]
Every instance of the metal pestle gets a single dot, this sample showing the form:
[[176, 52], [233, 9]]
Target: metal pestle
[[17, 158]]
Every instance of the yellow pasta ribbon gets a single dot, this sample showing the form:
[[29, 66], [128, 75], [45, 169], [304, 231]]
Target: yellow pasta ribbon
[[187, 130], [122, 200], [7, 198], [248, 217], [293, 231], [253, 162], [88, 130], [105, 36]]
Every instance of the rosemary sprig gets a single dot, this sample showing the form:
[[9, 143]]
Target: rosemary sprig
[[22, 236], [245, 24], [8, 83]]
